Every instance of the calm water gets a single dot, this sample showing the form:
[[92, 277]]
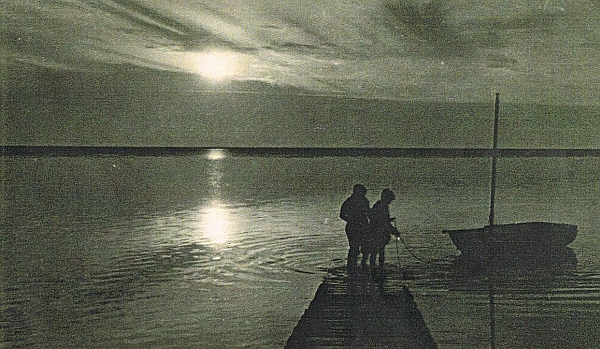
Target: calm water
[[227, 252]]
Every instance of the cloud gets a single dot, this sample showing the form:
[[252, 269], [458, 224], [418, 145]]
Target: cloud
[[447, 31], [430, 22], [386, 49], [146, 20]]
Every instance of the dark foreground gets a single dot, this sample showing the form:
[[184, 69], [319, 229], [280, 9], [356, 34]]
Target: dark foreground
[[361, 312]]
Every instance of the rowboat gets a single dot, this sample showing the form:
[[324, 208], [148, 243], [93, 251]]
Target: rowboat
[[506, 240], [513, 239]]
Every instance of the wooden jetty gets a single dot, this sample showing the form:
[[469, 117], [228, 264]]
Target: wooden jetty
[[361, 311]]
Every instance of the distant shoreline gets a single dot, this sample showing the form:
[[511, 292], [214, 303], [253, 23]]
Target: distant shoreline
[[292, 152]]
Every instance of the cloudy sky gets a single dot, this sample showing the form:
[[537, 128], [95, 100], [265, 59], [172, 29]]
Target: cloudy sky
[[540, 51]]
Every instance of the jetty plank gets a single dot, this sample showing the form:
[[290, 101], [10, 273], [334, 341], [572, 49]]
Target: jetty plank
[[361, 311]]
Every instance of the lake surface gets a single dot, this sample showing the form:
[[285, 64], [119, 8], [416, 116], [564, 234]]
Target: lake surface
[[220, 250]]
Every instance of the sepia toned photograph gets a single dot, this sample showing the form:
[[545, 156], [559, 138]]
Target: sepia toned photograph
[[300, 174]]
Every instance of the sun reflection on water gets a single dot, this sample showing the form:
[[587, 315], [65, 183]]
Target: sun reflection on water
[[215, 222], [216, 154]]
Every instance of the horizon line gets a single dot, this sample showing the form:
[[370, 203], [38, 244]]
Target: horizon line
[[39, 150]]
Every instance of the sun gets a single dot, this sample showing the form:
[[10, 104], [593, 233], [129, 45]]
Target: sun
[[218, 65]]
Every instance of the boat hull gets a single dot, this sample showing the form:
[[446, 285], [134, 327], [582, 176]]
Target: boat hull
[[515, 238]]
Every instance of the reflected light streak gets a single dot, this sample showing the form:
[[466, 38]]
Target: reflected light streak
[[216, 154], [215, 223]]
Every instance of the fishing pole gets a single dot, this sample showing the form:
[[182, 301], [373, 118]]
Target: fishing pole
[[397, 250], [398, 256]]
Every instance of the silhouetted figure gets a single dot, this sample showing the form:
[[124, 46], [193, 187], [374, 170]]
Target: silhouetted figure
[[355, 211], [380, 229]]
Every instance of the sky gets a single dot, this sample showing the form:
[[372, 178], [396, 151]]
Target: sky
[[141, 72]]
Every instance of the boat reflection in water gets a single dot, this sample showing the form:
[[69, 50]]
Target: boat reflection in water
[[511, 301]]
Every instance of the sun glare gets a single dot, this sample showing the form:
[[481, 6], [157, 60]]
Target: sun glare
[[215, 222], [216, 154], [218, 65]]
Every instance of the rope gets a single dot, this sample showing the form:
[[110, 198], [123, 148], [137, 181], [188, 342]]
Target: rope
[[410, 251]]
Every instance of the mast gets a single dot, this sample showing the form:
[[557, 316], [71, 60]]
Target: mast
[[491, 222], [494, 156]]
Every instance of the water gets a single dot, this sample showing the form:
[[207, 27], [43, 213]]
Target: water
[[225, 251]]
